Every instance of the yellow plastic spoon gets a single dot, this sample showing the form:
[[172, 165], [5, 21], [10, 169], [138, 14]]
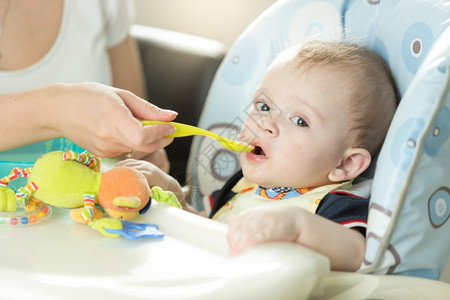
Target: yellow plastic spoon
[[188, 130]]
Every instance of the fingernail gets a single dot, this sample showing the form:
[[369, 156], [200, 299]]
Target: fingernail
[[168, 112], [171, 130]]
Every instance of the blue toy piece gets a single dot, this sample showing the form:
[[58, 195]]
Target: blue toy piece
[[135, 231]]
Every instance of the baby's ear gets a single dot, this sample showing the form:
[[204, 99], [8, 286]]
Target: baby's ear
[[355, 161]]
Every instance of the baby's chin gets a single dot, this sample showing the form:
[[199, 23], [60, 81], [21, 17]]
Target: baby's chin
[[268, 180], [254, 175]]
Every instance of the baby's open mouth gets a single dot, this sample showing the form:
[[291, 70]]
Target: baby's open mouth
[[258, 151]]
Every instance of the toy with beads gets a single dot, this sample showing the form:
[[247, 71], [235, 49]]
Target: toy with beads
[[72, 180]]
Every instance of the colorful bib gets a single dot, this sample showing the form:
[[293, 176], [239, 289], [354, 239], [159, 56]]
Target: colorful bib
[[250, 196]]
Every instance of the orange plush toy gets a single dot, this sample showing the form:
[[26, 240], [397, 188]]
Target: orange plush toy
[[71, 180]]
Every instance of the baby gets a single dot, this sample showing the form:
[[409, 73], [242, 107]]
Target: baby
[[320, 113]]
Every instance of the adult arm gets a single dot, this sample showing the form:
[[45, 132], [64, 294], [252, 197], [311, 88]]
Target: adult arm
[[101, 119]]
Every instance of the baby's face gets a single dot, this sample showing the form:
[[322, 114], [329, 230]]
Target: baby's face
[[298, 125]]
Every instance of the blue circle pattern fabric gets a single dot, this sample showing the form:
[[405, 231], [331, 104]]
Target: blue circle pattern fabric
[[408, 228]]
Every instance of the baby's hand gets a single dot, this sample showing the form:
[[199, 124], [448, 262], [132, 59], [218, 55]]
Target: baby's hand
[[157, 158], [154, 175], [157, 177], [262, 225]]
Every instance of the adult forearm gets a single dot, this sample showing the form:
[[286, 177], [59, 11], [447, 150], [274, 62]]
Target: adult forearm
[[96, 117], [28, 117]]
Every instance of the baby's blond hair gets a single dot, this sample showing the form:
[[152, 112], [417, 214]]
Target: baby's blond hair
[[372, 94]]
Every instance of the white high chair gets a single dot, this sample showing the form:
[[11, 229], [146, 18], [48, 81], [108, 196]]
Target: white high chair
[[408, 226]]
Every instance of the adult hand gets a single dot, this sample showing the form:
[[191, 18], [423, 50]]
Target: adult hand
[[106, 120]]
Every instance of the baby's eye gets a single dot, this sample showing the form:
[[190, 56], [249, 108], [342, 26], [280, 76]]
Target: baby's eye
[[299, 121], [262, 106]]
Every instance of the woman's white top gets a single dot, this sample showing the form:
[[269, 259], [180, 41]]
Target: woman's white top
[[80, 52]]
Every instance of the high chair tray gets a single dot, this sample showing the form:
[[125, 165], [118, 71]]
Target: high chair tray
[[60, 259]]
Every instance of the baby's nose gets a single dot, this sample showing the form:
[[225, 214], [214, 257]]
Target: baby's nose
[[268, 126]]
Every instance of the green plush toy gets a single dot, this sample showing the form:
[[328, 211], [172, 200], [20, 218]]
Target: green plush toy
[[71, 180]]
